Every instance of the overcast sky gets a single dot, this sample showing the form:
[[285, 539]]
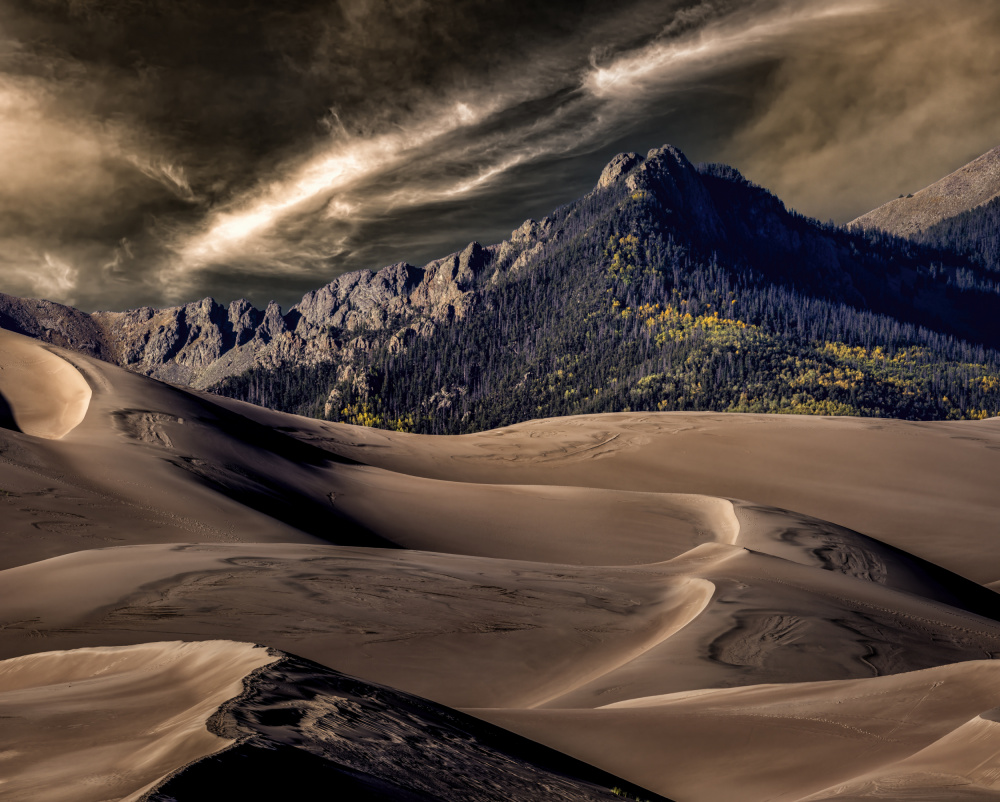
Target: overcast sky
[[158, 151]]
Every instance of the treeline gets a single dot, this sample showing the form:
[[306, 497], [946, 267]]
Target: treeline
[[623, 310], [975, 233]]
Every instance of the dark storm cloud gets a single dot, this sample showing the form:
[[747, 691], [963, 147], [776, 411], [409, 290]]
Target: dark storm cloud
[[879, 104], [159, 150], [132, 120]]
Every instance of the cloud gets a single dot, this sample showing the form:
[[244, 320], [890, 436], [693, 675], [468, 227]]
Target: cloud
[[39, 275], [870, 107], [171, 176], [459, 144], [170, 148]]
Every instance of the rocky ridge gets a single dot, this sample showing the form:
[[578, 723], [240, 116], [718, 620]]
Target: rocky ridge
[[709, 212], [201, 343], [970, 186]]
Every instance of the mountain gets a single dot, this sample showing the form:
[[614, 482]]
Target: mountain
[[669, 286], [200, 343], [975, 233], [973, 185]]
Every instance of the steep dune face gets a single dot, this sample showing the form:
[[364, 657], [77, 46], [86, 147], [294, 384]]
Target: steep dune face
[[618, 587], [301, 727], [68, 719], [41, 394]]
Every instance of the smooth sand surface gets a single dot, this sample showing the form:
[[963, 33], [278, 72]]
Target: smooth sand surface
[[773, 742], [927, 488], [44, 395], [960, 765], [711, 606], [105, 723], [459, 630]]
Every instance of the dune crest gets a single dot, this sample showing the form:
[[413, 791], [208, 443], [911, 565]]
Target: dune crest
[[44, 395], [917, 730], [593, 583], [66, 718]]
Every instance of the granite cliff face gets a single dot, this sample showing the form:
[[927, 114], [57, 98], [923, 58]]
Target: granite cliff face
[[201, 343]]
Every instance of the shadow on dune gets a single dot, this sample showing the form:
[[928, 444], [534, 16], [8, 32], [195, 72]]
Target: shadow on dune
[[7, 416], [283, 502], [267, 492], [253, 464], [307, 732], [271, 440]]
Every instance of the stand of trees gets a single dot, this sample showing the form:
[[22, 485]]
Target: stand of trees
[[631, 306]]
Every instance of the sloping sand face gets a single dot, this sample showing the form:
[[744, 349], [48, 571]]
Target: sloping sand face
[[302, 727], [922, 730], [927, 488], [104, 723], [704, 604], [459, 630], [44, 395]]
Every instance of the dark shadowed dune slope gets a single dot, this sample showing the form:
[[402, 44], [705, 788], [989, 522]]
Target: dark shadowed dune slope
[[305, 732]]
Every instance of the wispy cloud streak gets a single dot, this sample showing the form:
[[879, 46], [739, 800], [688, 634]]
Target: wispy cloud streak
[[342, 180], [375, 131]]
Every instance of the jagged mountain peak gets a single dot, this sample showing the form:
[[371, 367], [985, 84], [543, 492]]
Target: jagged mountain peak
[[656, 229]]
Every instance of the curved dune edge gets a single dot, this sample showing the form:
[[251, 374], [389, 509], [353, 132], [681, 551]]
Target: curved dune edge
[[456, 629], [46, 396], [921, 732], [421, 513], [960, 765], [687, 599], [93, 724]]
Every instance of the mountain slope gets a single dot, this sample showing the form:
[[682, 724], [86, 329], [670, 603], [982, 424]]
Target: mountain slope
[[203, 342], [674, 288], [973, 185], [667, 287], [975, 232]]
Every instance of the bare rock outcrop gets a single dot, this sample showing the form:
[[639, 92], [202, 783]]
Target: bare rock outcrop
[[620, 165], [201, 343]]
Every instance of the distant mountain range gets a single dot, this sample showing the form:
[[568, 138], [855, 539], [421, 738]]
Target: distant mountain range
[[967, 188], [669, 286]]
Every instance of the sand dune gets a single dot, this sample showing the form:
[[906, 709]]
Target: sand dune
[[471, 632], [786, 607], [106, 723], [775, 741], [961, 765], [41, 394], [901, 482], [459, 630], [302, 727]]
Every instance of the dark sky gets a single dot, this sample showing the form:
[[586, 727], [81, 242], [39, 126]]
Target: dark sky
[[157, 151]]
